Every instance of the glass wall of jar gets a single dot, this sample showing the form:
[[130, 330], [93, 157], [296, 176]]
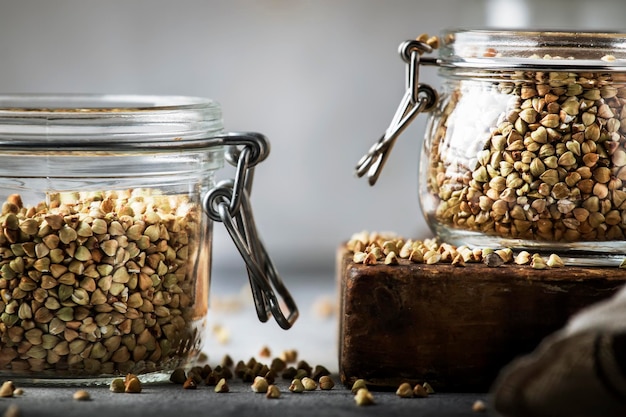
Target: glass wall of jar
[[527, 145], [105, 249]]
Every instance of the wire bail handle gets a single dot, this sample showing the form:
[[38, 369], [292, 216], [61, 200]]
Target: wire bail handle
[[229, 202], [417, 98]]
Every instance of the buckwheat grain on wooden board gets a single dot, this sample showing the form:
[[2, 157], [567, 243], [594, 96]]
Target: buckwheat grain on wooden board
[[454, 327]]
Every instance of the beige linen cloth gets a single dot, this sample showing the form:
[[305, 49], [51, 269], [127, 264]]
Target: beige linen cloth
[[579, 371]]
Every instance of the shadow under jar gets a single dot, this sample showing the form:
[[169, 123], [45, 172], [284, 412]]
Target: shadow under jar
[[105, 248]]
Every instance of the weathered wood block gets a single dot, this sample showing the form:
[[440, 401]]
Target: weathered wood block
[[454, 327]]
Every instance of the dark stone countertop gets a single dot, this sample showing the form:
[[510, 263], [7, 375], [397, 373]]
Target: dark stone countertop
[[172, 400]]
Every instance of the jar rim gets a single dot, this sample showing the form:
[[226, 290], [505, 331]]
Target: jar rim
[[72, 103], [534, 50], [107, 121]]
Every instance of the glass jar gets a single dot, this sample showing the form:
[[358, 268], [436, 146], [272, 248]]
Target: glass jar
[[525, 145], [105, 250]]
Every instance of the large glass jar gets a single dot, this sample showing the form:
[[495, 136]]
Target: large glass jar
[[526, 141], [526, 146], [105, 247]]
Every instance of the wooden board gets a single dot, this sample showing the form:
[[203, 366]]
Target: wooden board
[[454, 327]]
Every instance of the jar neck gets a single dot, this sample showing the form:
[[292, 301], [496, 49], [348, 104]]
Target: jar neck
[[107, 122], [534, 50]]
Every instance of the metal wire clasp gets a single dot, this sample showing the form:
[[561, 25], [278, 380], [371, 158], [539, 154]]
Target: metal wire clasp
[[417, 98], [229, 202]]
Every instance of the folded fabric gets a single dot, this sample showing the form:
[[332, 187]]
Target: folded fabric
[[579, 371]]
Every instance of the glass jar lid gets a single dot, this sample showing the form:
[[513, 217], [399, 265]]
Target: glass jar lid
[[107, 122], [547, 50]]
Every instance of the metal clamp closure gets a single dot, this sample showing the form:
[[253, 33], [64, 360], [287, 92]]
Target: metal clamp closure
[[229, 203], [417, 98]]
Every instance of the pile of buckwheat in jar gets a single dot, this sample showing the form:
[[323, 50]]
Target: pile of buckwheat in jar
[[97, 283], [551, 167]]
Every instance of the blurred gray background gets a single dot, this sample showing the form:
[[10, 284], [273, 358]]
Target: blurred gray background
[[320, 78]]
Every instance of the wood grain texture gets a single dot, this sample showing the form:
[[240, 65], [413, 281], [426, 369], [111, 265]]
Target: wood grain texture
[[454, 327]]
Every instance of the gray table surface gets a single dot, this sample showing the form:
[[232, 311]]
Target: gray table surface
[[172, 400]]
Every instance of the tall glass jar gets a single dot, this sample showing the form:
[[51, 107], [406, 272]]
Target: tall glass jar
[[105, 247]]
